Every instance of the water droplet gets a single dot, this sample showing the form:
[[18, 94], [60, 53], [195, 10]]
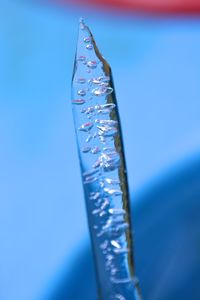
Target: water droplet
[[92, 64], [81, 93], [101, 91], [81, 80], [89, 47], [87, 39], [86, 149], [86, 126], [78, 101], [81, 58]]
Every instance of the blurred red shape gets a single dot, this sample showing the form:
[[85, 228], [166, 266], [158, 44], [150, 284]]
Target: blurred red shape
[[151, 6]]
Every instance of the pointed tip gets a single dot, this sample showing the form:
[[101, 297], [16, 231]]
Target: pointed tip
[[81, 20], [82, 23]]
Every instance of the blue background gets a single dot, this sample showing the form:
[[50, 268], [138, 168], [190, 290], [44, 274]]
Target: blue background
[[156, 67]]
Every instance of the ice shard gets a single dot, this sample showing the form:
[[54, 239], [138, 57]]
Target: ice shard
[[103, 169]]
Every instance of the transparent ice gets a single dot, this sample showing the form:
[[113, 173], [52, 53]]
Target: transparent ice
[[103, 170]]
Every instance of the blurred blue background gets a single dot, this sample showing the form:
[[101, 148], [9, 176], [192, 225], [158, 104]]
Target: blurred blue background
[[156, 67]]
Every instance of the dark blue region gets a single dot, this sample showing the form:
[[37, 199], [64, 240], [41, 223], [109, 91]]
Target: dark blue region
[[166, 219]]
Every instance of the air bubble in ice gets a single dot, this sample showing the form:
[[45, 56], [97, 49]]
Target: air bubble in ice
[[81, 80], [87, 39], [86, 149], [86, 126], [82, 93], [101, 91], [89, 47], [78, 101], [81, 58], [92, 64], [113, 192], [95, 150]]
